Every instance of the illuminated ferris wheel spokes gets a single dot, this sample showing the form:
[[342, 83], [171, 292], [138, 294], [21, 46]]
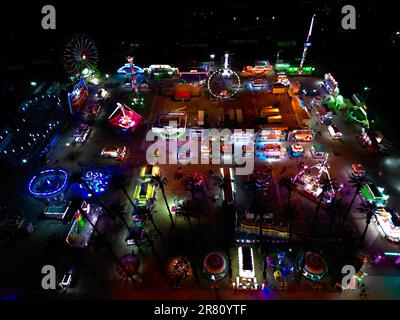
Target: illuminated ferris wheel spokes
[[80, 53]]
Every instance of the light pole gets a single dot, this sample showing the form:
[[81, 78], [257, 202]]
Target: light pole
[[366, 89]]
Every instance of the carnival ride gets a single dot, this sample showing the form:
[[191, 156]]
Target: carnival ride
[[315, 182], [124, 118], [49, 183], [224, 83], [214, 266], [80, 57], [96, 179], [280, 269], [11, 220], [312, 266]]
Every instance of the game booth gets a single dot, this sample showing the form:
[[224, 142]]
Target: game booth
[[371, 193], [296, 150], [330, 84], [215, 266], [159, 71], [82, 134], [388, 221], [78, 96], [248, 231], [124, 118], [171, 125], [313, 267], [270, 151], [271, 135], [309, 183], [81, 230], [301, 135], [318, 151]]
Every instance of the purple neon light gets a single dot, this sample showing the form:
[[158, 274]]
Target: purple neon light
[[43, 194]]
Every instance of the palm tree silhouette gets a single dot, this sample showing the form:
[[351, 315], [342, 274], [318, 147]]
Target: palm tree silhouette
[[286, 182], [161, 182], [368, 209], [149, 212], [121, 182], [290, 212], [357, 184]]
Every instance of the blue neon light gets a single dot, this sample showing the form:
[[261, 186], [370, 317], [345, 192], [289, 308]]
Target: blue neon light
[[50, 193]]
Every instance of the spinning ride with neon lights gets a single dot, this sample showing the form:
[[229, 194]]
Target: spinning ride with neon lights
[[179, 269], [77, 96], [315, 267], [224, 83], [280, 268], [124, 118], [310, 182], [97, 180], [359, 115], [129, 263], [214, 266], [49, 183], [80, 53]]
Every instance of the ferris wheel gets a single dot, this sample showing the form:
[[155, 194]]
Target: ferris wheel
[[10, 222], [224, 83], [80, 53]]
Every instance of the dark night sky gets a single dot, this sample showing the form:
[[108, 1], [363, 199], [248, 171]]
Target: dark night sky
[[365, 56]]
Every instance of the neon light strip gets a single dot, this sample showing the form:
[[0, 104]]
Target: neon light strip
[[42, 194]]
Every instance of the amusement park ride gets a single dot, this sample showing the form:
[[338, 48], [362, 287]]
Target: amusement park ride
[[224, 83]]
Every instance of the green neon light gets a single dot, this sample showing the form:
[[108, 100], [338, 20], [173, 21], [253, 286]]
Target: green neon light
[[394, 254]]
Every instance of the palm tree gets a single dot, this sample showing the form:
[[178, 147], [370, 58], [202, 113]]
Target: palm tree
[[286, 182], [149, 212], [121, 182], [76, 204], [118, 209], [368, 209], [161, 182], [150, 237], [357, 184], [184, 212], [290, 213], [326, 184], [335, 209], [191, 182]]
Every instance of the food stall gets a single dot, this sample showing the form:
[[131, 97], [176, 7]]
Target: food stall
[[81, 230], [389, 223], [301, 135], [358, 170], [271, 135], [334, 132], [374, 194], [270, 150], [297, 150], [318, 151]]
